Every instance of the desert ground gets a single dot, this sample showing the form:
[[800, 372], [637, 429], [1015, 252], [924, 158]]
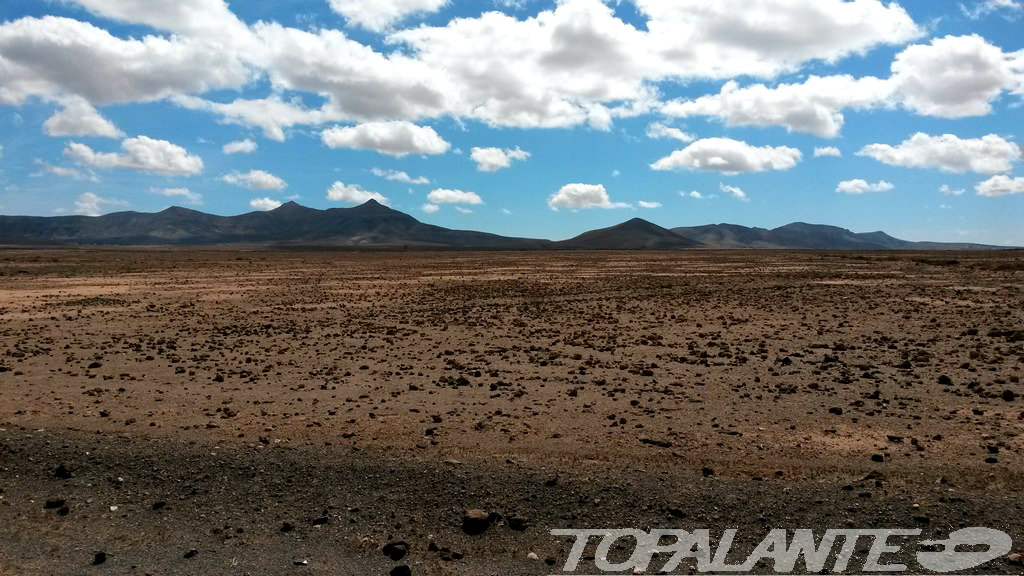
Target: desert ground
[[288, 412]]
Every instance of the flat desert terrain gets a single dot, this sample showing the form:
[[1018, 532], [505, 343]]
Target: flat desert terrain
[[230, 412]]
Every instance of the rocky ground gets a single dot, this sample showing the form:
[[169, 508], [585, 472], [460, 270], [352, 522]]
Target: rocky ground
[[226, 412]]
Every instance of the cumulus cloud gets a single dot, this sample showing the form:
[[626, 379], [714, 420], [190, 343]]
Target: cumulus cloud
[[860, 186], [54, 57], [246, 146], [186, 195], [78, 118], [733, 191], [353, 194], [264, 204], [729, 157], [378, 15], [583, 196], [494, 159], [650, 205], [273, 115], [255, 180], [1000, 185], [394, 138], [575, 63], [986, 155], [813, 106], [446, 196], [89, 204], [731, 38], [139, 153], [824, 151], [399, 176], [946, 190], [692, 194], [430, 208], [953, 77], [657, 130]]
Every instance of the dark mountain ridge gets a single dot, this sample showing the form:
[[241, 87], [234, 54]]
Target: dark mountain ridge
[[373, 225]]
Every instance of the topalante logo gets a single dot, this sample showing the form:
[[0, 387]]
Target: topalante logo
[[836, 551]]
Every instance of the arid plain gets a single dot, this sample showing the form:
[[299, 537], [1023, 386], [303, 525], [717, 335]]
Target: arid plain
[[272, 412]]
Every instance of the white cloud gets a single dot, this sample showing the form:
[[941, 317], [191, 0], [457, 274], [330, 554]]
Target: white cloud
[[195, 18], [494, 159], [65, 171], [953, 77], [399, 176], [78, 118], [89, 204], [353, 194], [394, 138], [729, 38], [139, 153], [813, 107], [378, 15], [246, 146], [692, 194], [185, 194], [946, 190], [824, 151], [729, 157], [986, 7], [358, 82], [650, 205], [273, 115], [264, 204], [430, 208], [255, 180], [462, 210], [860, 186], [733, 191], [54, 57], [583, 196], [986, 155], [1000, 186], [446, 196], [657, 130]]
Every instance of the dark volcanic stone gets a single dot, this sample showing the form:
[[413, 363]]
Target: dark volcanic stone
[[475, 522], [396, 550]]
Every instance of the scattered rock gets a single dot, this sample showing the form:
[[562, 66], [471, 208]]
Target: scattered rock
[[707, 471], [62, 473], [532, 556], [877, 458], [836, 410], [192, 553], [518, 523], [401, 570], [99, 558], [53, 503], [396, 550], [475, 522]]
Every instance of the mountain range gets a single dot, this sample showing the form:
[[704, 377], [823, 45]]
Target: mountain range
[[373, 225]]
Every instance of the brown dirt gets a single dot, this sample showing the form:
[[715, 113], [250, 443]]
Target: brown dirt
[[388, 392]]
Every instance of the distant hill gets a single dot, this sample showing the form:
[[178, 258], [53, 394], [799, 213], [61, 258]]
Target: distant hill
[[373, 225], [368, 225], [636, 234], [803, 236]]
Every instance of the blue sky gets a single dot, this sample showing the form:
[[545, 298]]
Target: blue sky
[[527, 118]]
